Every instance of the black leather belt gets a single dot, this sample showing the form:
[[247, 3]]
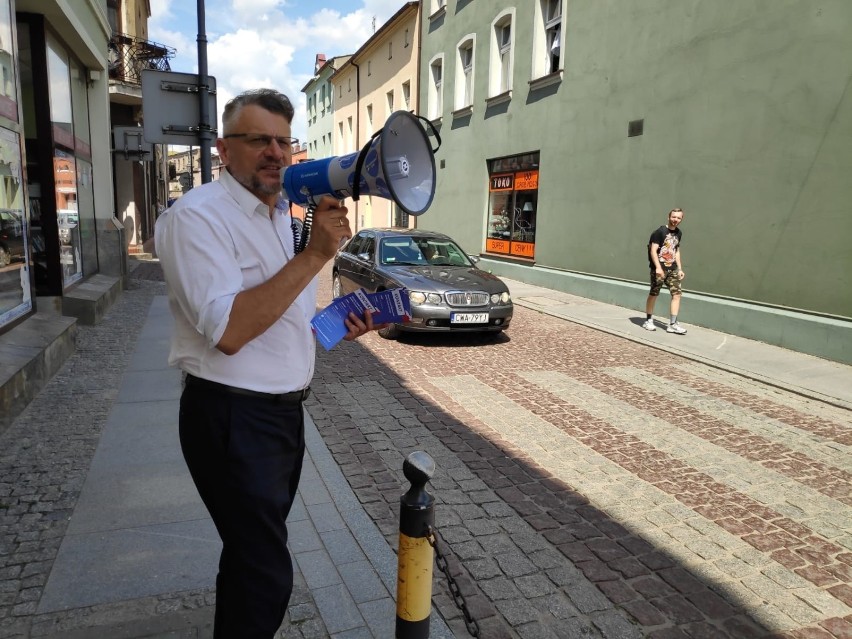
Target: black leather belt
[[295, 397]]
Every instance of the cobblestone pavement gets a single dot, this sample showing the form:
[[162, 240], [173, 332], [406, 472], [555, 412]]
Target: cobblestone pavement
[[589, 486], [586, 485]]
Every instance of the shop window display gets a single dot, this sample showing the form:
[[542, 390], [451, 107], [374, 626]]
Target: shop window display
[[15, 295], [513, 205]]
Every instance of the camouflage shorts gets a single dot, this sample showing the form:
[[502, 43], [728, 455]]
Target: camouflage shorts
[[669, 278]]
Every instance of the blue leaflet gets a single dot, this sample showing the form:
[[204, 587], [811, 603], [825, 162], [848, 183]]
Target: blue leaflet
[[391, 306]]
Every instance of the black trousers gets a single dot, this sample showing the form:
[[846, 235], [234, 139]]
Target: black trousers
[[245, 457]]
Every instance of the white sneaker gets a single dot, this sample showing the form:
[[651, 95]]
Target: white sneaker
[[649, 325], [676, 328]]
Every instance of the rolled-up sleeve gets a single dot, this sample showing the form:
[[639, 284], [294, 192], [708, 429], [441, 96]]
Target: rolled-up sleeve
[[197, 254]]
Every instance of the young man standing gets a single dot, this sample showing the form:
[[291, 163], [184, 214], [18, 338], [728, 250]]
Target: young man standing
[[664, 257]]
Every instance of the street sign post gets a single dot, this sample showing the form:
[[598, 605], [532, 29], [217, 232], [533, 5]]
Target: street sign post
[[130, 141], [172, 107]]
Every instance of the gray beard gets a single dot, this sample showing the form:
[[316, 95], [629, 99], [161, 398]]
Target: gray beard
[[254, 185]]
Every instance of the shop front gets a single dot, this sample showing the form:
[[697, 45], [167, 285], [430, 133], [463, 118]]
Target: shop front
[[512, 206], [59, 158], [15, 263]]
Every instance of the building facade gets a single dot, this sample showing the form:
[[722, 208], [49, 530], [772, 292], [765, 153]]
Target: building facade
[[319, 100], [379, 78], [571, 130], [58, 226], [184, 170], [141, 179]]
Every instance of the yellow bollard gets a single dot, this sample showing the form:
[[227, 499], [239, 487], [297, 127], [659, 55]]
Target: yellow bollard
[[414, 570]]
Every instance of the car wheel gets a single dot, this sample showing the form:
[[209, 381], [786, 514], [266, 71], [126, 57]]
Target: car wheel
[[5, 256], [336, 289], [391, 331]]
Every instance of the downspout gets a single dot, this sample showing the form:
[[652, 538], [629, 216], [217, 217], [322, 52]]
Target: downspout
[[417, 75], [357, 126]]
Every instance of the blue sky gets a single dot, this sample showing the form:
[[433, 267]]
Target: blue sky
[[266, 43]]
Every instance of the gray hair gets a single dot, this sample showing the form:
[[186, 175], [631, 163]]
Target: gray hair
[[269, 99]]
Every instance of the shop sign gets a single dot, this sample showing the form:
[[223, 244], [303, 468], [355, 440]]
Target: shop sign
[[523, 249], [526, 181], [502, 182], [496, 246]]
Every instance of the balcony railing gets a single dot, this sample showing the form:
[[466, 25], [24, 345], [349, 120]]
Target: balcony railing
[[129, 56]]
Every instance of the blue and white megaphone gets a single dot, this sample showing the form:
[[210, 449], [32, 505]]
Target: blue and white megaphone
[[398, 163]]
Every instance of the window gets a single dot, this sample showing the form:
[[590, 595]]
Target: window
[[405, 42], [438, 5], [547, 38], [501, 55], [464, 75], [406, 95], [390, 50], [350, 85], [350, 143], [369, 67], [369, 120], [436, 90], [389, 99]]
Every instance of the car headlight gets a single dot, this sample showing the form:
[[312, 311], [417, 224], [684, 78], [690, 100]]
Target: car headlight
[[417, 297], [500, 297]]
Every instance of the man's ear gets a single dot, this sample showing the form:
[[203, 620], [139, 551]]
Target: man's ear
[[222, 148]]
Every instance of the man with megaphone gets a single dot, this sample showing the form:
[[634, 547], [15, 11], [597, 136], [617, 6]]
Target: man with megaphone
[[242, 300]]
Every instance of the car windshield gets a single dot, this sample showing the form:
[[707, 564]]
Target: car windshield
[[421, 251]]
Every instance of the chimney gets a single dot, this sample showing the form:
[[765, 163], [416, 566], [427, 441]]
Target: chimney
[[319, 62]]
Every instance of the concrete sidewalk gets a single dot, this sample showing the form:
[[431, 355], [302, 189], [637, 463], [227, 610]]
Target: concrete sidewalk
[[806, 375], [140, 532]]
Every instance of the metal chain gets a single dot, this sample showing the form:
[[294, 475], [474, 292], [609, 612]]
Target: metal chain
[[455, 591]]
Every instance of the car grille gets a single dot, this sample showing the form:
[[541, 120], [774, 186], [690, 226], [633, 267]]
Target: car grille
[[466, 298]]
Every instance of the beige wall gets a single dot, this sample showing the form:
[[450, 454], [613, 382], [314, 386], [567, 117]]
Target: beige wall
[[387, 69]]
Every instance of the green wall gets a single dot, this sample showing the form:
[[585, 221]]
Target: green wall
[[747, 126]]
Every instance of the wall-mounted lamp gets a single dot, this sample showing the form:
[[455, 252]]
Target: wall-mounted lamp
[[528, 207]]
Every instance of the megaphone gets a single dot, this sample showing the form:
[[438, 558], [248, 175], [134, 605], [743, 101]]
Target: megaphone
[[397, 163]]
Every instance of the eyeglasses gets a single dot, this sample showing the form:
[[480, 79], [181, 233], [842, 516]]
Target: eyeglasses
[[262, 141]]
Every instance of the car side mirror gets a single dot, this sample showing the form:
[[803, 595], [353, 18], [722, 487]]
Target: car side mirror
[[364, 256], [474, 258]]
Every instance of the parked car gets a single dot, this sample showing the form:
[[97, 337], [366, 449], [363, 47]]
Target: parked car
[[448, 292]]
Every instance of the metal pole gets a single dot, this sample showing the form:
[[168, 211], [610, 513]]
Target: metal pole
[[414, 569], [205, 130]]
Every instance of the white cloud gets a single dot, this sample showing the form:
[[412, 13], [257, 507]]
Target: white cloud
[[265, 43]]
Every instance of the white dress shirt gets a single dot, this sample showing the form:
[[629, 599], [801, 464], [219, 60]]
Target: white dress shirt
[[215, 241]]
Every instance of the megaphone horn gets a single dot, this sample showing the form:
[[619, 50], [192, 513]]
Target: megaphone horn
[[397, 163]]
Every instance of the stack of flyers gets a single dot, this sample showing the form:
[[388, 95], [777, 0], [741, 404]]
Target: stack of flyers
[[390, 306]]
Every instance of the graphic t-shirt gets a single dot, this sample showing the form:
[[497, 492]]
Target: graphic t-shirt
[[668, 242]]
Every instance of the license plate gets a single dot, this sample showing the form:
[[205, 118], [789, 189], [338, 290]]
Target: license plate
[[469, 318]]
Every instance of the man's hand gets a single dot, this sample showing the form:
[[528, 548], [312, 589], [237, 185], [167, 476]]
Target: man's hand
[[357, 327], [680, 274], [329, 228], [659, 273]]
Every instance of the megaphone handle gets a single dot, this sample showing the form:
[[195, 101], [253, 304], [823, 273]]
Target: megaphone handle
[[434, 130]]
